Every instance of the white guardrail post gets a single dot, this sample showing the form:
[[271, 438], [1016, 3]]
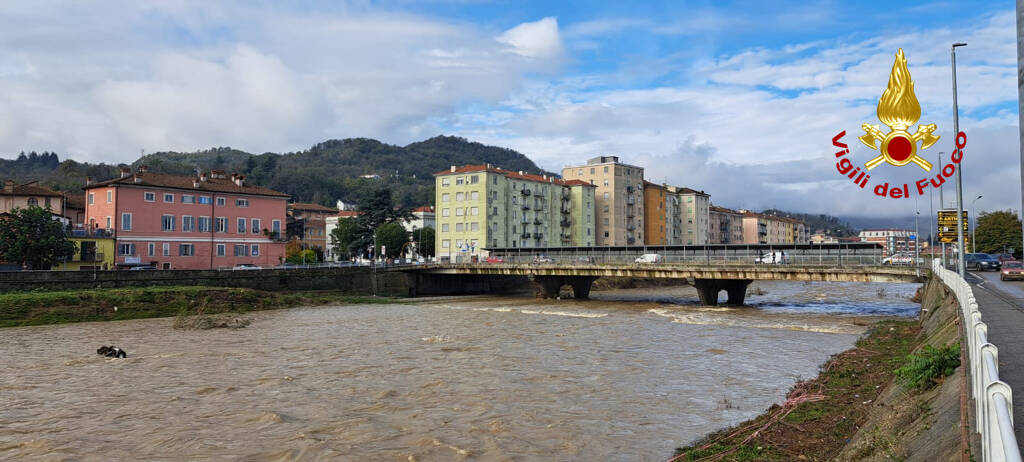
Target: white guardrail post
[[993, 398]]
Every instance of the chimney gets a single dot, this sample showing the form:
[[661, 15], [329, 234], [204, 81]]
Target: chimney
[[521, 172], [143, 168], [9, 186], [196, 181], [453, 169], [88, 180], [203, 176], [125, 171], [240, 180], [138, 176]]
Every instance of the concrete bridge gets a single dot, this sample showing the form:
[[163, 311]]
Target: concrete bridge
[[709, 280]]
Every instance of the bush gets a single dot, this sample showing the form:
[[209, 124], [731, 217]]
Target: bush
[[924, 370]]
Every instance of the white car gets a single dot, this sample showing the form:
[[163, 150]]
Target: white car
[[245, 266], [648, 258], [772, 258], [898, 259]]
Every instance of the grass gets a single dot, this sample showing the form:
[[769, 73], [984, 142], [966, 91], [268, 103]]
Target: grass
[[56, 307], [819, 415], [927, 369]]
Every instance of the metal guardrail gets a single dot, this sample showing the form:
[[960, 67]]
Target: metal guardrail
[[993, 398]]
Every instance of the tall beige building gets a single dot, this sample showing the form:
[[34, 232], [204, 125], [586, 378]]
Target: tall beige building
[[725, 226], [619, 199], [694, 208]]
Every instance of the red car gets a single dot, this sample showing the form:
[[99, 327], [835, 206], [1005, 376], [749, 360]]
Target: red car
[[1012, 270], [495, 260], [1005, 257]]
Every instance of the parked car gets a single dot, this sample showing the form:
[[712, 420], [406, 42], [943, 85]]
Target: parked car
[[982, 262], [898, 259], [648, 258], [245, 266], [1005, 257], [495, 260], [772, 258], [142, 268], [584, 259], [543, 259], [1012, 270]]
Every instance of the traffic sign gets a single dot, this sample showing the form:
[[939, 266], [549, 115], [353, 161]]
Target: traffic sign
[[947, 222]]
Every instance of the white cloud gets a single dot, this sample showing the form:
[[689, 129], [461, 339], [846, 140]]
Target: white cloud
[[539, 39]]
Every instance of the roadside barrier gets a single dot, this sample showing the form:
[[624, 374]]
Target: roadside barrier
[[993, 399]]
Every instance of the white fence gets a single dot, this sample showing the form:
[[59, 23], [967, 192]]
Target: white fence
[[993, 398]]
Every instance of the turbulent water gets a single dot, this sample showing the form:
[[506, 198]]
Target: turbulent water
[[628, 376]]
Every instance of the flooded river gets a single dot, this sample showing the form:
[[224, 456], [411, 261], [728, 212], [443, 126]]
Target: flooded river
[[627, 376]]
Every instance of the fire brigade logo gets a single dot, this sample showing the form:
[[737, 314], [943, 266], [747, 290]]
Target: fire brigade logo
[[898, 109]]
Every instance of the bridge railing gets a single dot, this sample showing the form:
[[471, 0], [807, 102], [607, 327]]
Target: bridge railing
[[711, 255], [993, 399]]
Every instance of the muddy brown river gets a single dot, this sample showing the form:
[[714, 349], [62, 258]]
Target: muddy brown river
[[628, 376]]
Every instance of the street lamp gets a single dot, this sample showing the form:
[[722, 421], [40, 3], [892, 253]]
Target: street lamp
[[961, 262], [917, 243], [974, 244]]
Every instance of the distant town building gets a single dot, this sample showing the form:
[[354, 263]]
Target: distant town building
[[822, 238], [330, 223], [619, 198], [656, 217], [695, 215], [342, 205], [892, 240], [183, 222], [308, 223], [25, 195], [480, 207], [759, 228], [423, 217], [725, 226]]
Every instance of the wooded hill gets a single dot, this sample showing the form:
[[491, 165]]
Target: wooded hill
[[322, 174]]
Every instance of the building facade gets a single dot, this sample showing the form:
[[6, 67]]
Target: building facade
[[480, 207], [619, 198], [330, 223], [308, 223], [725, 226], [655, 214], [694, 215], [892, 240], [422, 217], [759, 228], [93, 252], [180, 222], [14, 196]]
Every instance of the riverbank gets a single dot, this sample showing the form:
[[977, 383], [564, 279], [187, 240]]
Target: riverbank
[[57, 307], [856, 409]]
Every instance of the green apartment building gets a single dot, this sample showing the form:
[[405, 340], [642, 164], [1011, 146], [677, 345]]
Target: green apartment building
[[481, 207]]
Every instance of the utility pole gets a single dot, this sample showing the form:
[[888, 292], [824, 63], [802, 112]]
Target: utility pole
[[961, 261], [942, 205], [1020, 104]]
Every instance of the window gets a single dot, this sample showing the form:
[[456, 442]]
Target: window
[[256, 225], [459, 197], [241, 203], [579, 172], [474, 210], [220, 201], [149, 196], [444, 227], [445, 182], [186, 250], [458, 243], [220, 250], [591, 170], [446, 243], [151, 249], [109, 225], [494, 211], [188, 224], [606, 196], [92, 198], [169, 198], [188, 199], [459, 227], [110, 196], [474, 179], [474, 196], [204, 224], [474, 226], [445, 197], [459, 211], [166, 249], [494, 180], [606, 182], [221, 225], [275, 227], [445, 212], [205, 200], [33, 201], [126, 221], [606, 170], [126, 249], [255, 250], [241, 226], [460, 181], [241, 250], [167, 223]]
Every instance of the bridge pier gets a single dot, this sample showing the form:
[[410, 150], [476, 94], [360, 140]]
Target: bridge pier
[[708, 289], [551, 285]]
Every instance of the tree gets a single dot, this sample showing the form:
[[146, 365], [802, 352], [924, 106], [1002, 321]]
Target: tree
[[425, 237], [376, 210], [33, 238], [996, 231], [391, 236], [343, 236]]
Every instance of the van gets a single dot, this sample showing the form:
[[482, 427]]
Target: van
[[772, 258], [648, 258]]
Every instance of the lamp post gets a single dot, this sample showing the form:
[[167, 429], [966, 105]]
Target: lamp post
[[961, 262], [974, 244], [942, 205], [917, 243]]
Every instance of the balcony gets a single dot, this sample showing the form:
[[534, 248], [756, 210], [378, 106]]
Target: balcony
[[538, 235], [526, 206], [565, 223], [630, 240], [629, 189], [631, 227], [525, 192], [566, 210], [537, 222], [525, 235], [95, 232], [89, 257]]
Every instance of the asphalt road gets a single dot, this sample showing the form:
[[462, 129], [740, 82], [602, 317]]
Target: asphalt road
[[1002, 309]]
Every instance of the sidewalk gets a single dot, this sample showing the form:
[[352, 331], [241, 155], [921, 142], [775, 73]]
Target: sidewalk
[[1002, 309]]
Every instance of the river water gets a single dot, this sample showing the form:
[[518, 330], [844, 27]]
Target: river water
[[627, 376]]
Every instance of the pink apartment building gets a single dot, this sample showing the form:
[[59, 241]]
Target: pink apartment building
[[182, 222]]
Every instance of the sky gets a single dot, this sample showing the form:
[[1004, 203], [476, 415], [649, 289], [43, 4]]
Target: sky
[[739, 99]]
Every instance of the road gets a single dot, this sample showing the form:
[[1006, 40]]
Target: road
[[1002, 309]]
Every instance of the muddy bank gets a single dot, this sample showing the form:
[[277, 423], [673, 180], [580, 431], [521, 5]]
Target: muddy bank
[[856, 409], [635, 283]]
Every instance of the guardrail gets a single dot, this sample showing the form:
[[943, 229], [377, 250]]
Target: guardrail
[[993, 399]]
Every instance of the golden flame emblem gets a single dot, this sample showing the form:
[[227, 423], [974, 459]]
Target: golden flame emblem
[[898, 109]]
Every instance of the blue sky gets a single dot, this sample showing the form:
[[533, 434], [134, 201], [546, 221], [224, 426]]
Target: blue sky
[[740, 99]]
